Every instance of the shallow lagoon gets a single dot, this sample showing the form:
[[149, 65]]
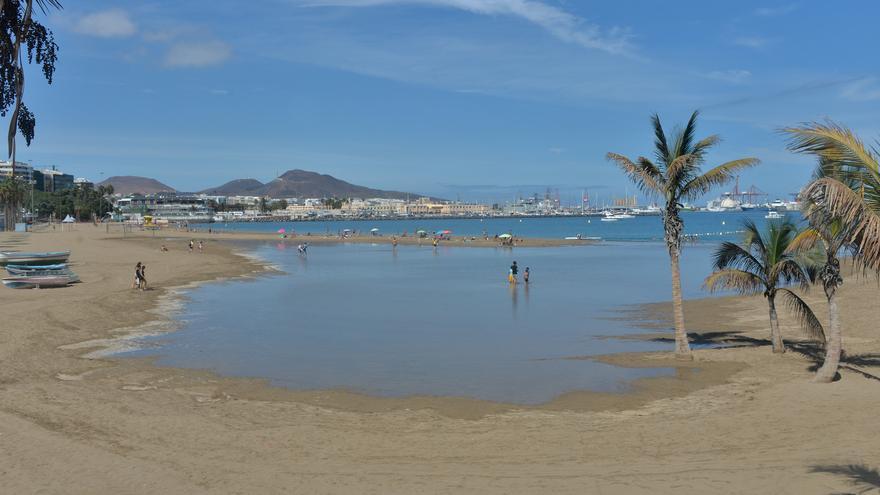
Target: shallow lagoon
[[421, 321]]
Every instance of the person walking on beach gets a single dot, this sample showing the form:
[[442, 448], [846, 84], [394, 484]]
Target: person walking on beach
[[200, 246], [526, 275], [137, 276], [143, 276], [191, 243]]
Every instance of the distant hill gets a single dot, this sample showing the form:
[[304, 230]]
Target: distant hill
[[238, 187], [303, 184], [132, 184]]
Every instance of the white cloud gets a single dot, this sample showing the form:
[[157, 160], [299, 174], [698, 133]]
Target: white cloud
[[197, 54], [751, 41], [114, 23], [735, 76], [867, 89], [561, 24], [775, 11]]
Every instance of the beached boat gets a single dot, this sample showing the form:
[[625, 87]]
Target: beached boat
[[14, 272], [45, 258], [58, 266], [30, 282]]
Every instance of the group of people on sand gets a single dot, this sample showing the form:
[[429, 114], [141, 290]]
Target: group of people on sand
[[192, 245], [514, 271], [140, 278]]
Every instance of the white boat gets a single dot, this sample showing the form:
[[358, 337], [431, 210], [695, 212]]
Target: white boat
[[777, 204], [47, 258], [725, 203], [646, 211], [774, 215], [37, 281], [608, 219]]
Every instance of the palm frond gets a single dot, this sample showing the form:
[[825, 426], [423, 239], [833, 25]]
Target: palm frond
[[685, 137], [806, 240], [832, 142], [643, 174], [661, 148], [703, 145], [720, 175], [736, 280], [730, 255], [810, 325], [45, 5], [832, 199]]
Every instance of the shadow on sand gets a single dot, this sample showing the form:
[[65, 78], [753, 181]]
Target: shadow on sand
[[862, 477], [811, 350]]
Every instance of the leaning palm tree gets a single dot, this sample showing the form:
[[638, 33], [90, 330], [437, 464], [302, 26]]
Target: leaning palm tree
[[842, 204], [676, 177], [766, 263], [834, 237]]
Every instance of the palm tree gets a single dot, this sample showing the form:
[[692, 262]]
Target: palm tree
[[834, 236], [842, 204], [846, 185], [677, 178], [12, 193], [765, 263]]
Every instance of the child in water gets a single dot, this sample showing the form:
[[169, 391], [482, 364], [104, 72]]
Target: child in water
[[526, 275]]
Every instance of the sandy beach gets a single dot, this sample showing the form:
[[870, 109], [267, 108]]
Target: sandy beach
[[736, 420]]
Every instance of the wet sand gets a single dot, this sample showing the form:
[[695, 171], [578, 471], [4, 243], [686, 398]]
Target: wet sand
[[736, 419]]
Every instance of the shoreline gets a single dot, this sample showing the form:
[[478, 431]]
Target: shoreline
[[125, 425], [689, 376]]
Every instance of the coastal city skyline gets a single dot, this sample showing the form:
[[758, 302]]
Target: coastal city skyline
[[466, 99]]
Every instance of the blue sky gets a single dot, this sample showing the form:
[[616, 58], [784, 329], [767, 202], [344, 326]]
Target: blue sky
[[478, 99]]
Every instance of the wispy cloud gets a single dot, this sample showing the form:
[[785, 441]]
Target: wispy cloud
[[775, 11], [114, 23], [751, 41], [556, 150], [561, 24], [866, 89], [197, 54], [733, 76]]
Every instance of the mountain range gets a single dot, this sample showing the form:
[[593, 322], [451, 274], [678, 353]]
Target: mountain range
[[291, 184]]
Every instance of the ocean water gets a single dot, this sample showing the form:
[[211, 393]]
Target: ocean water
[[423, 321], [703, 225]]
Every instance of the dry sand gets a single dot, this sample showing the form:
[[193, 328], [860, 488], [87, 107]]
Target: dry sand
[[737, 420]]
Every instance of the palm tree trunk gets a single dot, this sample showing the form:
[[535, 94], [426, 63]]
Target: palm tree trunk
[[833, 344], [682, 348], [775, 335]]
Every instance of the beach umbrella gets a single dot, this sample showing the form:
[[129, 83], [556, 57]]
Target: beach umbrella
[[505, 236], [421, 232], [281, 230], [68, 219], [374, 229], [445, 232]]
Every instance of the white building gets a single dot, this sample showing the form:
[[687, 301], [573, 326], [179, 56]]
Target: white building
[[22, 170]]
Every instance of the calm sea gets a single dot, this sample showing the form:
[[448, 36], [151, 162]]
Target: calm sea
[[419, 320], [709, 225]]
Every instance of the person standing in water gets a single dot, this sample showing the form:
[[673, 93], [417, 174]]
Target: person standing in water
[[526, 275], [514, 270]]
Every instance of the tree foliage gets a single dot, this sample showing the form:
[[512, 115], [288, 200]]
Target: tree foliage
[[23, 38]]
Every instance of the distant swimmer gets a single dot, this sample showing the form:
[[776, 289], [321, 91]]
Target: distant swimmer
[[526, 275]]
